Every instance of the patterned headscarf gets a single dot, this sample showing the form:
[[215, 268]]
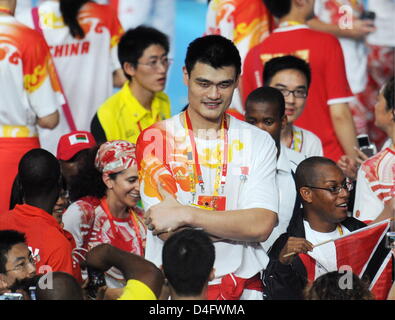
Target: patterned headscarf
[[115, 156]]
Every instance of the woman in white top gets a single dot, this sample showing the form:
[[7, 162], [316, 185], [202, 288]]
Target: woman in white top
[[376, 177], [83, 38]]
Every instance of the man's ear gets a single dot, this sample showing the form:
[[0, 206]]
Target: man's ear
[[185, 75], [129, 69], [237, 82], [212, 275], [306, 194]]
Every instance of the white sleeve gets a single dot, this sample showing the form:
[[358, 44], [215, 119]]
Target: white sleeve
[[72, 222], [314, 147], [367, 205], [261, 190]]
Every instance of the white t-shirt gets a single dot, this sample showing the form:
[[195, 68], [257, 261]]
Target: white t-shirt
[[355, 51], [84, 66], [384, 23], [375, 185], [28, 84], [306, 143], [325, 255], [250, 183], [286, 193]]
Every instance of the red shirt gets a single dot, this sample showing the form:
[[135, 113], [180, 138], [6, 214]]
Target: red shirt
[[328, 84], [45, 238]]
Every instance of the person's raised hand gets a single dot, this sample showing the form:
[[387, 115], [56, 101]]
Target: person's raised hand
[[349, 166], [166, 216], [360, 29], [293, 247]]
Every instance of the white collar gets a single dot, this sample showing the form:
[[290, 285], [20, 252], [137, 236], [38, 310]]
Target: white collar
[[283, 163], [291, 28]]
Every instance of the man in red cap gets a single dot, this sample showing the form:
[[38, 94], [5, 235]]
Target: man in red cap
[[69, 153]]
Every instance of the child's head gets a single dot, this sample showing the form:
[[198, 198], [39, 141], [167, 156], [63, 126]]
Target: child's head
[[265, 108]]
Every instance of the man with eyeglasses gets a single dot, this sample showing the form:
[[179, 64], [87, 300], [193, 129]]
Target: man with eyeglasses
[[16, 261], [292, 76], [141, 102], [327, 112], [324, 192]]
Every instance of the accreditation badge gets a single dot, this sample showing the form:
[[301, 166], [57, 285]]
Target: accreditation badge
[[217, 203]]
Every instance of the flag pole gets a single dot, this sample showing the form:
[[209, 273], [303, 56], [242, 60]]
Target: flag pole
[[344, 236]]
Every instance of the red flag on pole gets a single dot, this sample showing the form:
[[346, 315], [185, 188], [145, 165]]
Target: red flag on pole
[[365, 253]]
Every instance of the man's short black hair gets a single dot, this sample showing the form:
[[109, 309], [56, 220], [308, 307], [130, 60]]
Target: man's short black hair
[[307, 171], [278, 8], [65, 287], [133, 43], [8, 239], [39, 173], [188, 258], [267, 95], [275, 65], [214, 50]]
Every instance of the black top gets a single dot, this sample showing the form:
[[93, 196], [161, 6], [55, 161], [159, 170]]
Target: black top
[[97, 130]]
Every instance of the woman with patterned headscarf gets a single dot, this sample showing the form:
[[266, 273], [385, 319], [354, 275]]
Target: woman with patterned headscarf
[[118, 220]]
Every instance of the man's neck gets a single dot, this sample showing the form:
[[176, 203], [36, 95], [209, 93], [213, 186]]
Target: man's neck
[[294, 16], [175, 296], [286, 135], [318, 224], [144, 96], [43, 204]]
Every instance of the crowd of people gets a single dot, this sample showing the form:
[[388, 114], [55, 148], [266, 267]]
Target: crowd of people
[[241, 196]]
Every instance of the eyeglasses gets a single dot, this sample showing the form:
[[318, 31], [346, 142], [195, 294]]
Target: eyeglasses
[[23, 265], [154, 64], [348, 186], [298, 93]]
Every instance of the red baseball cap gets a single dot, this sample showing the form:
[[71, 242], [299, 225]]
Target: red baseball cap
[[72, 143]]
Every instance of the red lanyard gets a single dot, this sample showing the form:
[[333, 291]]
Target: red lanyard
[[195, 155], [5, 10], [136, 228]]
